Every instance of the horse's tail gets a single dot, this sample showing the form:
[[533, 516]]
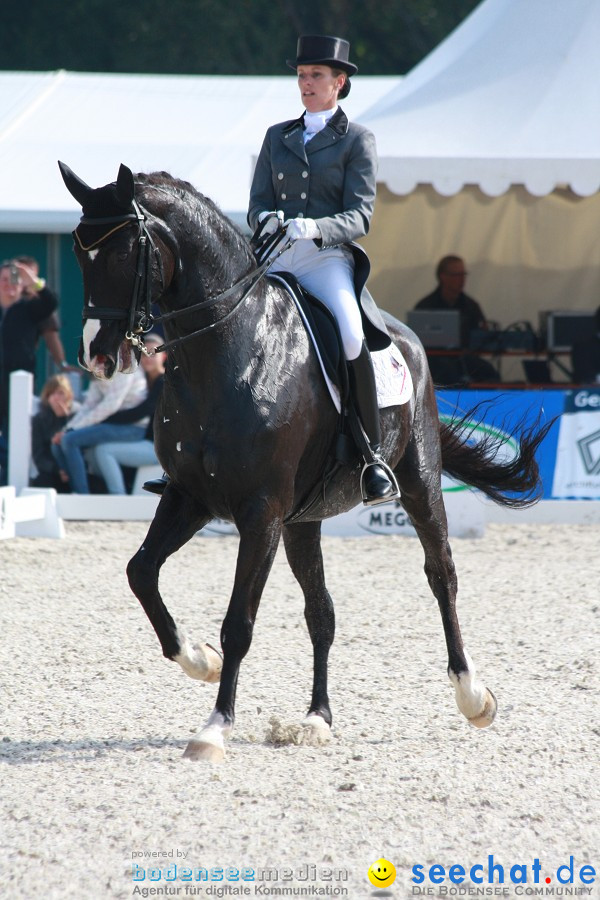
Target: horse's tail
[[476, 462]]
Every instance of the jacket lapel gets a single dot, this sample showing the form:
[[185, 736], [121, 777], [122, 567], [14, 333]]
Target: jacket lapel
[[335, 130], [291, 138]]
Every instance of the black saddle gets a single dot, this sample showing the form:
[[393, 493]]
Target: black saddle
[[325, 330]]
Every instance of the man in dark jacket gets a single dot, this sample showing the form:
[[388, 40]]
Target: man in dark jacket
[[449, 294], [21, 319], [26, 304]]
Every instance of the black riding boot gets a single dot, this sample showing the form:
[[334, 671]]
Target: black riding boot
[[378, 484], [156, 485]]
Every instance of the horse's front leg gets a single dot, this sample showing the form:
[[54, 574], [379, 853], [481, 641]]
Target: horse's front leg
[[422, 500], [176, 520], [259, 537], [303, 548]]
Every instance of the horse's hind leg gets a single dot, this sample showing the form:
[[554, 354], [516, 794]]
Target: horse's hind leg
[[176, 520], [303, 548], [419, 480]]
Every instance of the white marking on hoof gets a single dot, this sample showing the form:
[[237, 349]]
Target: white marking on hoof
[[315, 731], [200, 661], [475, 701], [210, 743], [203, 750], [488, 714]]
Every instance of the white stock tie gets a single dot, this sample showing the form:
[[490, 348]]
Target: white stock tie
[[315, 122]]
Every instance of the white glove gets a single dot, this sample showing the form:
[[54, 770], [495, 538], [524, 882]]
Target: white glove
[[302, 229], [272, 223]]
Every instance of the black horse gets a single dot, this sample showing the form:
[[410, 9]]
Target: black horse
[[245, 429]]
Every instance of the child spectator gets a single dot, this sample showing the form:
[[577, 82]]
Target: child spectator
[[56, 407]]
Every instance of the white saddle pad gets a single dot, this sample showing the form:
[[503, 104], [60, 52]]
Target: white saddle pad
[[392, 377]]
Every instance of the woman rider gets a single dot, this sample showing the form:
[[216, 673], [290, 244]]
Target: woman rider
[[319, 172]]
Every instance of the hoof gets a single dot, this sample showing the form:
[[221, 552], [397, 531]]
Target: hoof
[[488, 713], [200, 661], [210, 743], [215, 663], [315, 731], [204, 750], [476, 702]]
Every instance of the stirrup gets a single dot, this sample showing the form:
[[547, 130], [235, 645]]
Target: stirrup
[[393, 494]]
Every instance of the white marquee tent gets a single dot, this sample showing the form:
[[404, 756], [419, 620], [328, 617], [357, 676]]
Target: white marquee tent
[[490, 148], [205, 129]]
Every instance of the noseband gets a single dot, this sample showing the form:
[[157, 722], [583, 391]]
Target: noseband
[[139, 313]]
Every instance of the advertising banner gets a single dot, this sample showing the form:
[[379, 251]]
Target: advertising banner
[[577, 468], [504, 414]]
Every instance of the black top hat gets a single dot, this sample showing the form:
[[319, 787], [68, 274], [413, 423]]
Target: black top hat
[[320, 49]]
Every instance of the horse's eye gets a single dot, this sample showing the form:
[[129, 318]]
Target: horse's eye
[[122, 256]]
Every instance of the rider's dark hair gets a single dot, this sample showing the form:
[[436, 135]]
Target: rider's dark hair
[[345, 89]]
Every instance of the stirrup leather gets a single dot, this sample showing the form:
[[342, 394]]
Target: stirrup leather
[[376, 460]]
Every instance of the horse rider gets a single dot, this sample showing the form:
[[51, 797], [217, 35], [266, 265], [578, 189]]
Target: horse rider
[[318, 173]]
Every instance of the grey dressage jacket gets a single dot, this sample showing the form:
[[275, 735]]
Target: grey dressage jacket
[[331, 179]]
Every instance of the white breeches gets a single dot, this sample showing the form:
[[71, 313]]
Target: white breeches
[[329, 275]]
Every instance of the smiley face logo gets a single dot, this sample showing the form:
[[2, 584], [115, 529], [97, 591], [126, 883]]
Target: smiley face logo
[[381, 873]]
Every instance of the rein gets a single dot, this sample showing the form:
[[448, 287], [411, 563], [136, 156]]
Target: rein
[[139, 314], [251, 279]]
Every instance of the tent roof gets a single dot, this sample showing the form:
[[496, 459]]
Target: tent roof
[[204, 129], [512, 96]]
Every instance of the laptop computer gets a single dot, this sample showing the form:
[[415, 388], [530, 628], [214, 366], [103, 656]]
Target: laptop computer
[[436, 327]]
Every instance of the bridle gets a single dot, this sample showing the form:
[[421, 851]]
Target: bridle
[[139, 314]]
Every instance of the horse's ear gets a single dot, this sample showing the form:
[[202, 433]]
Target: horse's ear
[[125, 185], [76, 187]]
